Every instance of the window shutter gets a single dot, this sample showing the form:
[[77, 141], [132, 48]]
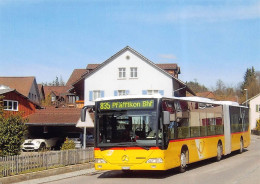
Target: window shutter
[[102, 94], [115, 93], [90, 95], [144, 92], [161, 92], [257, 108]]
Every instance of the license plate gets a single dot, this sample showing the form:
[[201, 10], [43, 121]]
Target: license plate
[[125, 168]]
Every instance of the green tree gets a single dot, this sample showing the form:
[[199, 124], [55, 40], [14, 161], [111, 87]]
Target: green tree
[[196, 87], [46, 101], [258, 125], [251, 83], [12, 131], [249, 77], [56, 82]]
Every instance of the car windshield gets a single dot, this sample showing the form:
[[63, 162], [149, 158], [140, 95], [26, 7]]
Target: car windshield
[[128, 128]]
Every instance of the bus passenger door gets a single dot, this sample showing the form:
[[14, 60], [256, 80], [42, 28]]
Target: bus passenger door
[[227, 130]]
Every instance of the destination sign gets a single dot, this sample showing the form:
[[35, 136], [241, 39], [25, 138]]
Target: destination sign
[[126, 104]]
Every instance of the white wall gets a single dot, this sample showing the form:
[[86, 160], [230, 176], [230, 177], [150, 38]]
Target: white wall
[[253, 115], [106, 78]]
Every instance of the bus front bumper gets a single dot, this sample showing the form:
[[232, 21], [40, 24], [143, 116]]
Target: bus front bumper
[[143, 166]]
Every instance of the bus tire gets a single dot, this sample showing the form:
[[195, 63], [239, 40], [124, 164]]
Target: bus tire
[[241, 145], [219, 151], [183, 161]]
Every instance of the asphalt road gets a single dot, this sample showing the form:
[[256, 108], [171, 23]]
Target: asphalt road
[[233, 169]]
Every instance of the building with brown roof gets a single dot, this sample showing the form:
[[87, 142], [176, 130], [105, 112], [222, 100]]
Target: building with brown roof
[[41, 91], [55, 122], [206, 94], [27, 86], [15, 102], [178, 88]]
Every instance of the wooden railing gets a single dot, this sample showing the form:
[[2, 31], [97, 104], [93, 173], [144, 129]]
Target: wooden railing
[[36, 161]]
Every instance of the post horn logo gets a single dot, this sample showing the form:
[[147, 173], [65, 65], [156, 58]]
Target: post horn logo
[[125, 158]]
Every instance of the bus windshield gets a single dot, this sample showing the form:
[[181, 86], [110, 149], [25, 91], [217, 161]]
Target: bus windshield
[[127, 128]]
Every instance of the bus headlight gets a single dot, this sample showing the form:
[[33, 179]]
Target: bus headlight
[[100, 161], [154, 160]]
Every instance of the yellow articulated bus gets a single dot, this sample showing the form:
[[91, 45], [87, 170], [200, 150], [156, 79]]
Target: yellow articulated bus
[[159, 133]]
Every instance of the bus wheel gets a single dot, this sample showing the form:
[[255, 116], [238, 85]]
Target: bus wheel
[[219, 152], [241, 146], [183, 161]]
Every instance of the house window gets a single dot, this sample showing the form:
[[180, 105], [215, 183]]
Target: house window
[[121, 92], [53, 98], [122, 73], [258, 108], [133, 72], [93, 95], [151, 92], [96, 94], [10, 105]]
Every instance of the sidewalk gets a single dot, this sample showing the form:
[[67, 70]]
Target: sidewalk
[[50, 174], [58, 177]]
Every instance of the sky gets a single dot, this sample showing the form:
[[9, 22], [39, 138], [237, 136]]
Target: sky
[[208, 39]]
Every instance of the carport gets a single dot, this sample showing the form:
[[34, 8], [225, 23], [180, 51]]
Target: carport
[[54, 122]]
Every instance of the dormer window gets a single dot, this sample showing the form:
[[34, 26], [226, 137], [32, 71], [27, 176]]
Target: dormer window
[[121, 73]]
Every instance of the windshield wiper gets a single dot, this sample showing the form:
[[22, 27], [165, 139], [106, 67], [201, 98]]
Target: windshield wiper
[[144, 147], [132, 144], [124, 144]]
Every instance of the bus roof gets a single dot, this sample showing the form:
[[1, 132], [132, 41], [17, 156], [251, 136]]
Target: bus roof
[[157, 96]]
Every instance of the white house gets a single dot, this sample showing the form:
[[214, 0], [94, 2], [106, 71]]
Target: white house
[[254, 113], [130, 73]]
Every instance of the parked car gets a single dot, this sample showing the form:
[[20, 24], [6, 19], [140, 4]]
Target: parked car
[[35, 144], [76, 138], [90, 140]]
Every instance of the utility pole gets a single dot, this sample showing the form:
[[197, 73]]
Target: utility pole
[[246, 95]]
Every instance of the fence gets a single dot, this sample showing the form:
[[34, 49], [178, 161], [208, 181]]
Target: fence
[[30, 162]]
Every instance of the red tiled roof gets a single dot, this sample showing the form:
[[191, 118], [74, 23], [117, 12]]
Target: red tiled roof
[[76, 75], [92, 66], [168, 66], [206, 94], [21, 84], [52, 116], [39, 86], [57, 90]]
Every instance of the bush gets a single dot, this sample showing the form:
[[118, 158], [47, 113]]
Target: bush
[[12, 131], [258, 125], [68, 144]]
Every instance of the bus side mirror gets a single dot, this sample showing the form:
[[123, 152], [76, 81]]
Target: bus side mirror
[[166, 117], [83, 113]]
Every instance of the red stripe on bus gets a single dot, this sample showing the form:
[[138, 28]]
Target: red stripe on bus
[[193, 138]]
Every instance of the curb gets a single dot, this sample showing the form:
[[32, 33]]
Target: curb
[[50, 174]]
